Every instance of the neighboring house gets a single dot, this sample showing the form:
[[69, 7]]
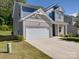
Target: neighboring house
[[71, 28], [35, 23], [78, 31]]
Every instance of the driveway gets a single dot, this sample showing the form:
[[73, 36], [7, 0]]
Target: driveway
[[56, 48]]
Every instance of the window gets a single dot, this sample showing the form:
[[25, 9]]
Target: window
[[52, 15], [59, 15], [28, 9], [59, 29]]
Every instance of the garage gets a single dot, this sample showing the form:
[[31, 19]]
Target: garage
[[37, 33], [37, 25]]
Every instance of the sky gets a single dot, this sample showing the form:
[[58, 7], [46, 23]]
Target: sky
[[70, 6]]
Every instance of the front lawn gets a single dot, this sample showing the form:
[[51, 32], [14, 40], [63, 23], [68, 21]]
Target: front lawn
[[21, 50], [5, 32]]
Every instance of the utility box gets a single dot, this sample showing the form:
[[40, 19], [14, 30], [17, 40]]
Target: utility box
[[9, 47]]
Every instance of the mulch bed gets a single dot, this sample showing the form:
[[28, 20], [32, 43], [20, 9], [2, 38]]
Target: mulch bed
[[7, 38]]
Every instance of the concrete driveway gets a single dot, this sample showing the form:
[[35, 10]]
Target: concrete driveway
[[56, 48]]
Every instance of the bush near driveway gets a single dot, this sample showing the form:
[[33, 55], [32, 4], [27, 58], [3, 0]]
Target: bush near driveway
[[70, 35], [19, 38], [75, 39]]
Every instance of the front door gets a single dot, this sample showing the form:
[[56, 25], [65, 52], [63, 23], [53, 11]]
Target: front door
[[53, 26]]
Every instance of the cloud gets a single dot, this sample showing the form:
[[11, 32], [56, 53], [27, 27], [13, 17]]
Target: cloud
[[74, 14]]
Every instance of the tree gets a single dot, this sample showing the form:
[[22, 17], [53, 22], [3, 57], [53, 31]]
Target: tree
[[23, 1], [6, 7], [77, 21]]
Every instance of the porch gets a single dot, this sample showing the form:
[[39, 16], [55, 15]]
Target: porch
[[59, 29]]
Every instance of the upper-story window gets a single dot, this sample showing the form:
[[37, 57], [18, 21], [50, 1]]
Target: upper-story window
[[28, 9], [51, 14], [59, 15]]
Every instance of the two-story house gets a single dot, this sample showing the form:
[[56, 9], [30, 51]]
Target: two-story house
[[35, 23]]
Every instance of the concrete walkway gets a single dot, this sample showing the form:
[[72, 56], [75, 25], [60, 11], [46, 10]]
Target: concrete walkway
[[56, 48]]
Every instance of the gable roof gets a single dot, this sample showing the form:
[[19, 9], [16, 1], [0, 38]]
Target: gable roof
[[38, 12], [55, 7], [16, 4], [28, 5]]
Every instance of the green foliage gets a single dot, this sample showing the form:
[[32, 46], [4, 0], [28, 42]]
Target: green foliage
[[23, 1], [70, 35], [75, 39], [4, 28], [19, 38], [77, 21], [6, 8]]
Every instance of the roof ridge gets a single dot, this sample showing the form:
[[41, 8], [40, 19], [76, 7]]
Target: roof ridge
[[27, 4]]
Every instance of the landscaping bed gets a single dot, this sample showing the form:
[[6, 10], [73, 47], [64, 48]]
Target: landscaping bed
[[74, 39]]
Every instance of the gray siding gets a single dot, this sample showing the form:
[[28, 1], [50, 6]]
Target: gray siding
[[59, 16], [17, 27], [17, 11]]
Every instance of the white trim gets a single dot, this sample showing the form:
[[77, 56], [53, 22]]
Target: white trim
[[22, 19], [66, 29], [58, 29], [43, 13], [37, 12]]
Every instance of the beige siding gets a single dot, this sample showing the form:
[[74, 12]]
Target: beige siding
[[36, 21]]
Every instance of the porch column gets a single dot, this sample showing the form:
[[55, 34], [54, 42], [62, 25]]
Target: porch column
[[66, 29], [58, 29]]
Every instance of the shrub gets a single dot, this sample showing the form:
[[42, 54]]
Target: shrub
[[70, 35], [75, 39], [4, 28], [67, 35], [19, 38]]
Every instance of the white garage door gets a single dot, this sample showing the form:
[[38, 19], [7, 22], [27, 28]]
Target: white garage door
[[37, 33]]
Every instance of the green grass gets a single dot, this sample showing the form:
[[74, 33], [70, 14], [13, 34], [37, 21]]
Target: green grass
[[21, 50], [5, 32]]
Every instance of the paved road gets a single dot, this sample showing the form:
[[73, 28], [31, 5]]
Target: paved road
[[56, 48]]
